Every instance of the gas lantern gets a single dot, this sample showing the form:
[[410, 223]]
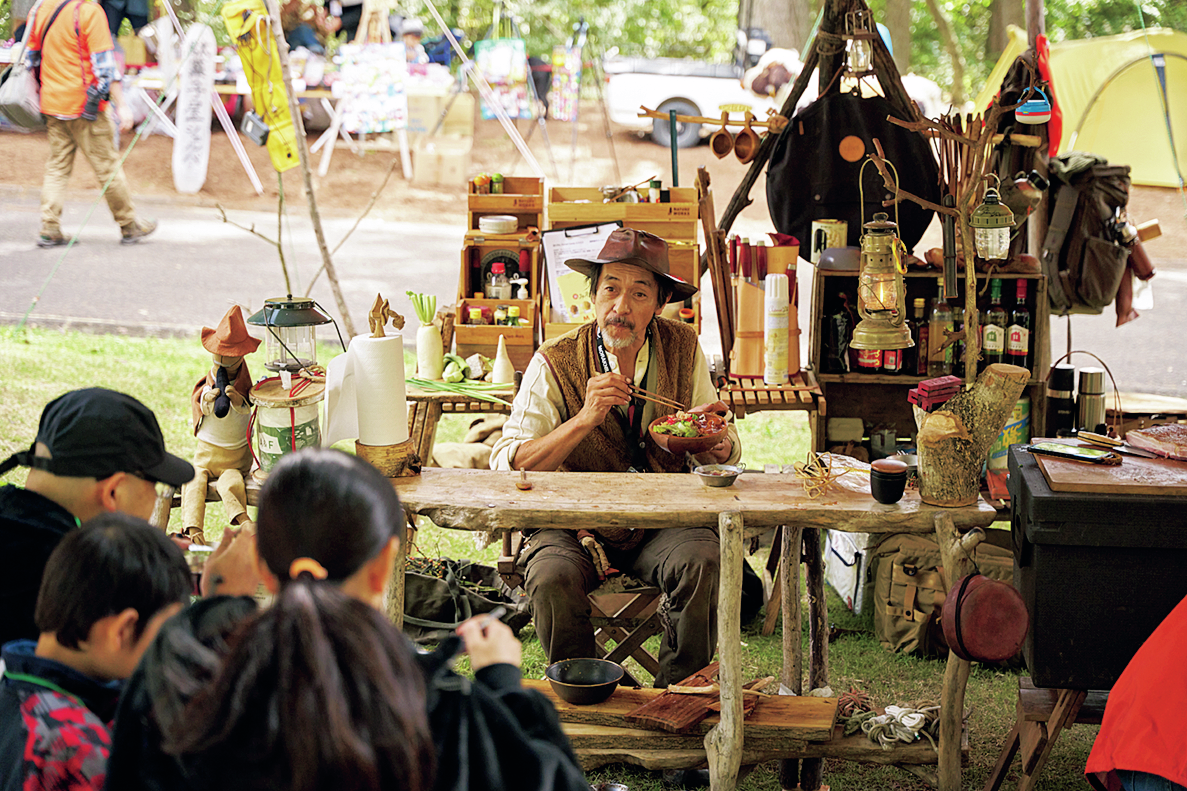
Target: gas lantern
[[859, 53], [290, 340], [881, 296], [992, 222]]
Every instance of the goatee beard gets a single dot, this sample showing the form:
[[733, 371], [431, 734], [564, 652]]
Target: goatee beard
[[619, 342]]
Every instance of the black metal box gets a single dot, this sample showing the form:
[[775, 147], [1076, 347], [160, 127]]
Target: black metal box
[[1098, 572]]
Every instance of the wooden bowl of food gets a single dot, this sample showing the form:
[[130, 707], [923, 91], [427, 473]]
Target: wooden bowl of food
[[687, 432]]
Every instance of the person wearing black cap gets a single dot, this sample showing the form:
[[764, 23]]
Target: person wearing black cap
[[575, 411], [97, 451]]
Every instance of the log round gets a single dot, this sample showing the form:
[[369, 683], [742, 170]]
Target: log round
[[954, 441]]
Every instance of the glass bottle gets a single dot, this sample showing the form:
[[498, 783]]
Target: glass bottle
[[958, 347], [919, 332], [939, 361], [1018, 333], [497, 284], [993, 331]]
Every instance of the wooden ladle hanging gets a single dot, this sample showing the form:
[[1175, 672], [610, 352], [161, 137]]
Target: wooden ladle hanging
[[721, 141], [746, 142]]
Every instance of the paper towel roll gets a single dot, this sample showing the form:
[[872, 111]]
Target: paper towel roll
[[365, 395]]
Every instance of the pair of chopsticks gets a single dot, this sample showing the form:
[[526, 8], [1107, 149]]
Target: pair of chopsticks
[[656, 398]]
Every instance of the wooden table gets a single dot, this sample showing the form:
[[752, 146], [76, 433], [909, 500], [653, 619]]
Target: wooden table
[[489, 500]]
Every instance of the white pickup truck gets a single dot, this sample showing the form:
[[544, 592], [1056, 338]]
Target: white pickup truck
[[687, 86]]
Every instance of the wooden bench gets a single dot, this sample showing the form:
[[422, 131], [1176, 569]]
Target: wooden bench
[[781, 727], [1042, 716]]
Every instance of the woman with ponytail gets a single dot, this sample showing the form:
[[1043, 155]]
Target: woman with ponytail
[[320, 691]]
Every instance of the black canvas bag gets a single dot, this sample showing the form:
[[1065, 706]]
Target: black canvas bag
[[808, 179], [434, 606]]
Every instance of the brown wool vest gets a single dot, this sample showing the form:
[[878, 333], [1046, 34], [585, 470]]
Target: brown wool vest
[[573, 361]]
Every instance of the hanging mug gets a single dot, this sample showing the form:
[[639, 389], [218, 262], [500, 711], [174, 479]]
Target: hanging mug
[[746, 142], [721, 141], [826, 234]]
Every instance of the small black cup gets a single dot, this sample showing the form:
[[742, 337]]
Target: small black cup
[[887, 488]]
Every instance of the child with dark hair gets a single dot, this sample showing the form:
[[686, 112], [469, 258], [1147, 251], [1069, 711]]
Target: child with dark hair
[[320, 690], [106, 590]]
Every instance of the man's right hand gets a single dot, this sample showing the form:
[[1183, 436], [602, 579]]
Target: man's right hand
[[206, 401], [490, 646], [602, 393]]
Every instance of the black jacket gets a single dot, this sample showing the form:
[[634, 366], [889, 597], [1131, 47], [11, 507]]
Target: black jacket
[[490, 733], [30, 528]]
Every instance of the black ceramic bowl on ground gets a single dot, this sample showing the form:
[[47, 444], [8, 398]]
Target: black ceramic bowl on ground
[[584, 682]]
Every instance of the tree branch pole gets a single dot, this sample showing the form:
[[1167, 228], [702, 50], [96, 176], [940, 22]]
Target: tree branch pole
[[282, 50]]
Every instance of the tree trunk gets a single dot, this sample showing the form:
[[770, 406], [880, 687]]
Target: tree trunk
[[1003, 13], [898, 19], [954, 440], [1036, 24], [787, 21], [953, 49]]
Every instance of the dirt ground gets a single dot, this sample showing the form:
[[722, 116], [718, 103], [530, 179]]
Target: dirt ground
[[586, 160]]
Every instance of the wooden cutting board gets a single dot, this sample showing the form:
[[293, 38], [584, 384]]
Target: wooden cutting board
[[1134, 476]]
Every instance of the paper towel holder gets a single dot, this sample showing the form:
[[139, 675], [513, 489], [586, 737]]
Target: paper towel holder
[[393, 461]]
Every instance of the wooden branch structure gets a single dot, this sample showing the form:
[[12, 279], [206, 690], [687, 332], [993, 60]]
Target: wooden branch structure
[[723, 744], [775, 122], [954, 440], [829, 59], [955, 552], [715, 258]]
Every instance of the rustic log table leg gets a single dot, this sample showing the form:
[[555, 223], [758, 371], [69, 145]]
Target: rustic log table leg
[[395, 588], [723, 743], [812, 769], [793, 649], [954, 552]]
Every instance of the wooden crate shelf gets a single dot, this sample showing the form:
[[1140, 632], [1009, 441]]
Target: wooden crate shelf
[[522, 197]]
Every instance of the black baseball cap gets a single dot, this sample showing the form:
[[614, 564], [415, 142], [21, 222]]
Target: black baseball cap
[[95, 433]]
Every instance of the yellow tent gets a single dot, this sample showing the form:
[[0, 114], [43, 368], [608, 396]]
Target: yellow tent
[[1123, 97]]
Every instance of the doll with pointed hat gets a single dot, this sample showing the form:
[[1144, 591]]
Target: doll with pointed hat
[[221, 412]]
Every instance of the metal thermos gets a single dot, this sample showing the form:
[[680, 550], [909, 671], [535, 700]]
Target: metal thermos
[[1061, 405], [1092, 399]]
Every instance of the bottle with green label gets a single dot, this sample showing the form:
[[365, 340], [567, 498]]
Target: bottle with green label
[[993, 332]]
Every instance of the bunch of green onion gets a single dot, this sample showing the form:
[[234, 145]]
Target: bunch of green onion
[[479, 391], [425, 306]]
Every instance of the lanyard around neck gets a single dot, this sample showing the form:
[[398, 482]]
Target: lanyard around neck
[[633, 424], [28, 678]]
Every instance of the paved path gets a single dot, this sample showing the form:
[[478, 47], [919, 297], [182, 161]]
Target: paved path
[[189, 271]]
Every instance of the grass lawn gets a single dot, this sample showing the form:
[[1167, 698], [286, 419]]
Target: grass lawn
[[38, 365]]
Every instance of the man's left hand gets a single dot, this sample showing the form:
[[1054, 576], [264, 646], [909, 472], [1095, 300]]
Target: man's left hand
[[125, 116], [719, 453]]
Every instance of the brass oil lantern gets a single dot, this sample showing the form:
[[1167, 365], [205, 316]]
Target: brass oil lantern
[[880, 289]]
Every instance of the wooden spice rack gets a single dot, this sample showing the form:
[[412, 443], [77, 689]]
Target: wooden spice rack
[[522, 197]]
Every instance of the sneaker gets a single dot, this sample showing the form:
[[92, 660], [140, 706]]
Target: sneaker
[[131, 234], [51, 240]]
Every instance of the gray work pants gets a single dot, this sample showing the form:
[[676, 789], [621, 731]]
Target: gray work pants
[[682, 562]]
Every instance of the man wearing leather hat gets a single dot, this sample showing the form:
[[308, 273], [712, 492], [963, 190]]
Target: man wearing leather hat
[[575, 410], [97, 451]]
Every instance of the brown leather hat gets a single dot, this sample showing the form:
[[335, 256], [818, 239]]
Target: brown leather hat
[[638, 248]]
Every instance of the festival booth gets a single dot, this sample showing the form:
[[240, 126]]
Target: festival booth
[[891, 374]]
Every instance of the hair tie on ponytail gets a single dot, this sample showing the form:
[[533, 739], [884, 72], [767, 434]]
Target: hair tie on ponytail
[[315, 569]]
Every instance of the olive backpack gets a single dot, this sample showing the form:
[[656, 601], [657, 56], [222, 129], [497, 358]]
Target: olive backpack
[[909, 589]]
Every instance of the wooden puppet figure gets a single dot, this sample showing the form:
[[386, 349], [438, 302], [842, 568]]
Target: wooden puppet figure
[[221, 412]]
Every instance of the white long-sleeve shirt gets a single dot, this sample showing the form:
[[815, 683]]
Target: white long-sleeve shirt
[[539, 406]]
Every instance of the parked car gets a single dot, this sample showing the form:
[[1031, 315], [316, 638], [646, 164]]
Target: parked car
[[690, 87]]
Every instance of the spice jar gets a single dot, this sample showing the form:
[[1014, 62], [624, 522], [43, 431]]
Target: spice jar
[[500, 315], [476, 316], [496, 184], [513, 316]]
